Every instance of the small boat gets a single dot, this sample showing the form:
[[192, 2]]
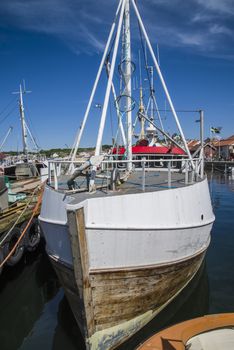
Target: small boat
[[17, 206], [125, 233], [203, 333], [24, 165]]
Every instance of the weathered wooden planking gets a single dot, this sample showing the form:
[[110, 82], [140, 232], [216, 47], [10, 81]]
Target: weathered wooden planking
[[133, 272], [67, 279], [108, 299], [87, 293], [129, 298]]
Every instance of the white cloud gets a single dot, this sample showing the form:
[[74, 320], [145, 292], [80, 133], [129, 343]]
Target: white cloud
[[219, 29], [202, 17], [204, 26], [225, 6], [192, 39]]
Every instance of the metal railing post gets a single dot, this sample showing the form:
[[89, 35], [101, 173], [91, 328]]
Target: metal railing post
[[202, 142], [107, 173], [55, 177], [143, 173], [186, 171], [49, 172], [169, 173], [196, 171]]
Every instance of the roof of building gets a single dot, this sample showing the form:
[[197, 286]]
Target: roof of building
[[226, 142], [194, 144]]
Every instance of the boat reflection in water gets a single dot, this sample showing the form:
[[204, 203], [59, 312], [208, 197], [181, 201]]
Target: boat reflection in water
[[25, 290], [34, 313]]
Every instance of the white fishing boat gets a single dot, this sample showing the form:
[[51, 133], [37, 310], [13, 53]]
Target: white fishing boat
[[23, 165], [125, 234]]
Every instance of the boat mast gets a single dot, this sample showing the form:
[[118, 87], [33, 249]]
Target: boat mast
[[163, 83], [151, 101], [142, 110], [23, 123], [126, 46], [151, 71], [109, 83]]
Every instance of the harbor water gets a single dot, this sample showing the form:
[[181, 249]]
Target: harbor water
[[34, 313]]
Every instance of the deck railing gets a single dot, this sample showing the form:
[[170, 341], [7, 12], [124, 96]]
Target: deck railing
[[190, 174]]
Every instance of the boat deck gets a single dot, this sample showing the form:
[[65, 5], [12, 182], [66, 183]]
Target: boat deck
[[155, 180]]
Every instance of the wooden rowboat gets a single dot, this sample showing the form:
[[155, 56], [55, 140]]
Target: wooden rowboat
[[202, 333]]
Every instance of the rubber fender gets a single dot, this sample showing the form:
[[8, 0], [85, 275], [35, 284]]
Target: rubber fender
[[9, 244], [32, 235], [1, 259]]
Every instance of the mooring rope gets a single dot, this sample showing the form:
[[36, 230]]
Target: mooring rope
[[19, 217]]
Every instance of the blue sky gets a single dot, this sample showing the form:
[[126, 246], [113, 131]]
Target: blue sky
[[56, 45]]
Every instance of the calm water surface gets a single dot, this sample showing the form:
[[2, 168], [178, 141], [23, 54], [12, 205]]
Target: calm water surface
[[34, 313]]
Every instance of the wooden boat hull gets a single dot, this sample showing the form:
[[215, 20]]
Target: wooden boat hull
[[122, 301]]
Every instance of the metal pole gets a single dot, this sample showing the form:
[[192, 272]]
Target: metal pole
[[55, 177], [128, 87], [219, 149], [32, 138], [107, 95], [151, 70], [120, 124], [169, 174], [80, 132], [22, 118], [163, 82], [49, 172], [159, 117], [5, 138], [186, 172], [201, 112], [143, 173]]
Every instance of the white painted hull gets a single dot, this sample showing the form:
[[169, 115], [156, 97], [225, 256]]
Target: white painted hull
[[155, 231], [133, 230]]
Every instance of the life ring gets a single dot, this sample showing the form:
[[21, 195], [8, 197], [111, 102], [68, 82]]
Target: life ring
[[7, 247], [1, 259], [33, 234]]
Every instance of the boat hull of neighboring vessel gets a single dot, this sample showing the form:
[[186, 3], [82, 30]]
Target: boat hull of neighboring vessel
[[119, 268]]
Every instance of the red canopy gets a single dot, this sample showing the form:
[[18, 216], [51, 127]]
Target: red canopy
[[151, 150]]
